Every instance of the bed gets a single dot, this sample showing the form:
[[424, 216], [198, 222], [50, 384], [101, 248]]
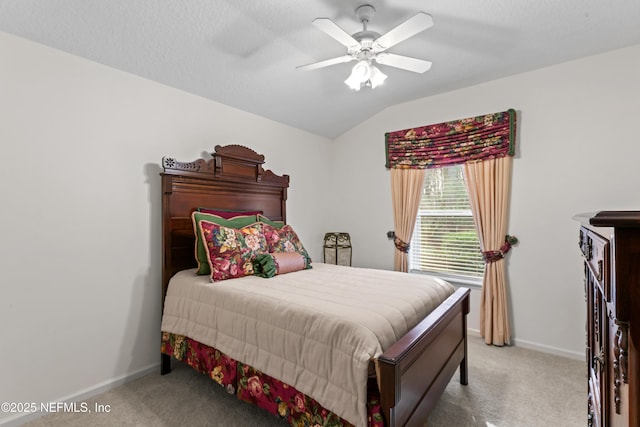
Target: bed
[[411, 373]]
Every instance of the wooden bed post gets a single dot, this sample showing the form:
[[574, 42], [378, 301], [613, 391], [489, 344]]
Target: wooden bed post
[[165, 364], [464, 366]]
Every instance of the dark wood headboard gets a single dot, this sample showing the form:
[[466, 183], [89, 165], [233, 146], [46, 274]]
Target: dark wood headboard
[[232, 179]]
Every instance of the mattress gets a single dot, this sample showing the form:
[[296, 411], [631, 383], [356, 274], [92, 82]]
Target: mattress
[[317, 330]]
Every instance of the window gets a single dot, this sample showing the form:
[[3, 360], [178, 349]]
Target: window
[[445, 241]]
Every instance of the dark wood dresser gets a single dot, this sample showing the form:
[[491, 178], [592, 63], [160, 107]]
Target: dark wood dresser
[[610, 246]]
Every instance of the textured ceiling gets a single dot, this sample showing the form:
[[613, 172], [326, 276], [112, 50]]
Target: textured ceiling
[[244, 53]]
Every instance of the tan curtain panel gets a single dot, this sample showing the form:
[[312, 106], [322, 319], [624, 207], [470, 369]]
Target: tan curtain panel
[[406, 190], [488, 184]]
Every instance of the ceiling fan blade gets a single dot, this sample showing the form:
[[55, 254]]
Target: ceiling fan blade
[[326, 63], [412, 26], [333, 30], [404, 62]]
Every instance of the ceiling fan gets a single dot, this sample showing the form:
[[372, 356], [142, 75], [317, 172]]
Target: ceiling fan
[[366, 46]]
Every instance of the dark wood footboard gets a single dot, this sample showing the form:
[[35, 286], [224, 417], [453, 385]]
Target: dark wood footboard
[[415, 371]]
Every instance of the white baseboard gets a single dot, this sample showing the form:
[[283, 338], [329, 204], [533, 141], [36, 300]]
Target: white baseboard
[[539, 347], [82, 395], [549, 349]]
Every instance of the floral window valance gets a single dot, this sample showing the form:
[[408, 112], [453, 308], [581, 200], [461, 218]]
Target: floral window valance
[[450, 143]]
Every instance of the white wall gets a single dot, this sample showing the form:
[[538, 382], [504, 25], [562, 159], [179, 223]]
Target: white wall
[[578, 151], [81, 146]]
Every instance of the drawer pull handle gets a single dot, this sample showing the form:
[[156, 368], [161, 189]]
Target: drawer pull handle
[[600, 268], [599, 359]]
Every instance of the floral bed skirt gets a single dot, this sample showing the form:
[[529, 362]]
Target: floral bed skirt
[[251, 385]]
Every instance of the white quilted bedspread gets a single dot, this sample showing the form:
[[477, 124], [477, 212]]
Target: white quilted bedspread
[[316, 329]]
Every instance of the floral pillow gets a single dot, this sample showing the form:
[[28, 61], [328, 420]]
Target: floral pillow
[[231, 251], [200, 251], [285, 239]]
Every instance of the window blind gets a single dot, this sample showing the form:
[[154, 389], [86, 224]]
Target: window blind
[[444, 239]]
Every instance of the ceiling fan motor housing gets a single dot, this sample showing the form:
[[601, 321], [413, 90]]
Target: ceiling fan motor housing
[[366, 39], [364, 13]]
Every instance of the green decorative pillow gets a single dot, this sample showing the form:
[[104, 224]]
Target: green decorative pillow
[[200, 251], [285, 240], [227, 213], [275, 224], [231, 251]]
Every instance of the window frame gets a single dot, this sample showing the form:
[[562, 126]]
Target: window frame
[[456, 279]]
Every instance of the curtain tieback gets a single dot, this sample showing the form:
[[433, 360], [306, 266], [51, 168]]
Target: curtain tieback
[[493, 256], [400, 245]]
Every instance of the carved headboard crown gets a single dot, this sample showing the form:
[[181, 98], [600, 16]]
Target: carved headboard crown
[[229, 161]]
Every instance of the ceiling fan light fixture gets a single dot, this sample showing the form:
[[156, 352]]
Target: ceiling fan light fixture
[[365, 74], [360, 73], [353, 82], [377, 77]]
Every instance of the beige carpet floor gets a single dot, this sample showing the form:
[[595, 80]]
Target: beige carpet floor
[[508, 387]]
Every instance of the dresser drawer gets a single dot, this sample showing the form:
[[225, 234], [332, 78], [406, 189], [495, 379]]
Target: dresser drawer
[[595, 250]]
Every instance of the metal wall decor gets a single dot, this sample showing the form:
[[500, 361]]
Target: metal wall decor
[[337, 248]]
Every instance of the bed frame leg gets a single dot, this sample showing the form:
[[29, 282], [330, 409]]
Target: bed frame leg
[[464, 373], [165, 364], [464, 366]]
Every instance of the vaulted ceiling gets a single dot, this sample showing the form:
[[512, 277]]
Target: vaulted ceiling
[[244, 53]]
